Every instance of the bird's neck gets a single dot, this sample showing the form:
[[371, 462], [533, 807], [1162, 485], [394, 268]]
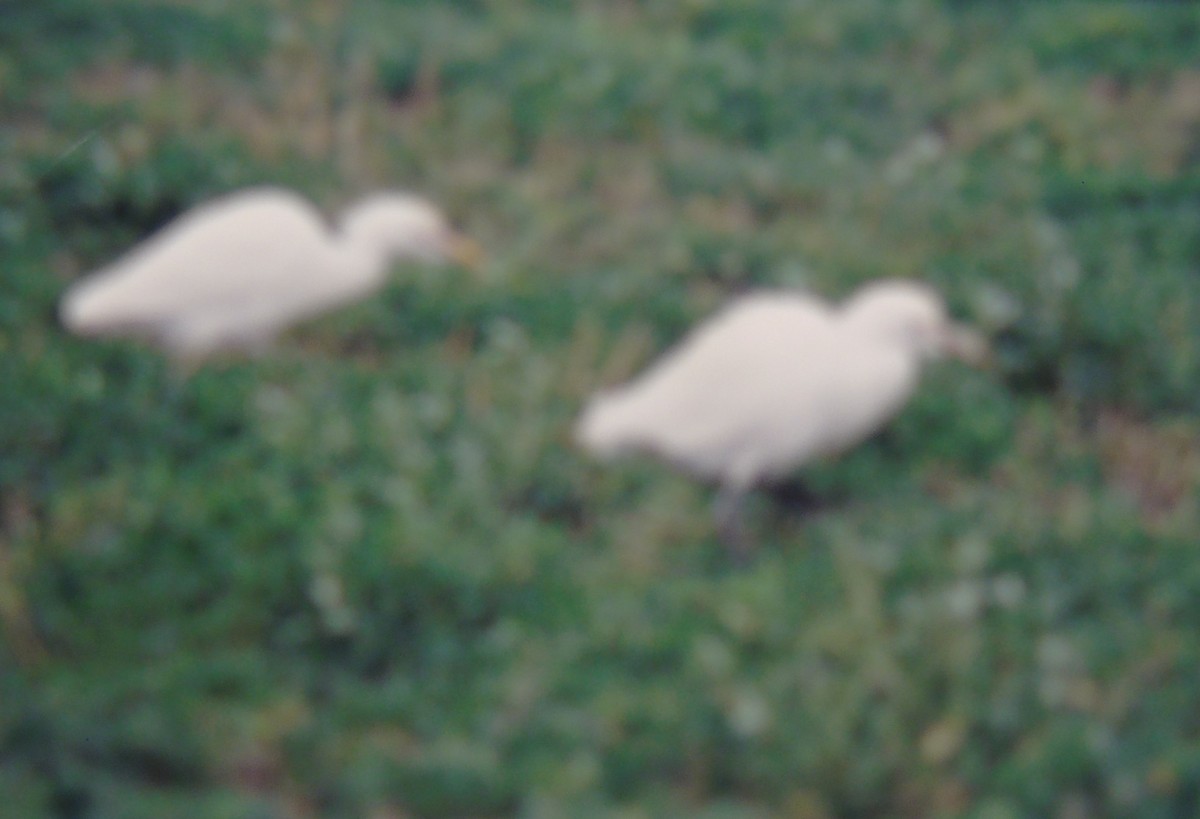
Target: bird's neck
[[360, 261]]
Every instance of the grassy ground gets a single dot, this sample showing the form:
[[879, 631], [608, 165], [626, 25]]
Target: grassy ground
[[368, 576]]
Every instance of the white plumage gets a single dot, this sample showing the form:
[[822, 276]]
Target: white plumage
[[774, 381], [234, 272]]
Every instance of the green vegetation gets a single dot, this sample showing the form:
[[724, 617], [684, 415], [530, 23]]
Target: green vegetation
[[368, 576]]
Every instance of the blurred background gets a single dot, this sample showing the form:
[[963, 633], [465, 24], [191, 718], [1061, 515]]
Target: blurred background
[[368, 576]]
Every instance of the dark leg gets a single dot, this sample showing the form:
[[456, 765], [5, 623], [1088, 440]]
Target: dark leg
[[727, 509], [796, 495]]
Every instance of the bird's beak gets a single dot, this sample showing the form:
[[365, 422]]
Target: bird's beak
[[965, 344], [465, 251]]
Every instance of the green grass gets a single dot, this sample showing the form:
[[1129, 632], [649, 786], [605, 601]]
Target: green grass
[[369, 576]]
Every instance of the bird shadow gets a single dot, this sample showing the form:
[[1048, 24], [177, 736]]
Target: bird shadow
[[798, 496]]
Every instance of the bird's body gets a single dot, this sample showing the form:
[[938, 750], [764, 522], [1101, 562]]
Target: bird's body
[[236, 271], [750, 391], [775, 381]]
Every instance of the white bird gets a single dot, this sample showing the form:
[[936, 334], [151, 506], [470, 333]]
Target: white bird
[[774, 381], [236, 271]]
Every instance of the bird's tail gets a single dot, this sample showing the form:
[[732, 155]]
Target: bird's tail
[[606, 428], [81, 312], [98, 306]]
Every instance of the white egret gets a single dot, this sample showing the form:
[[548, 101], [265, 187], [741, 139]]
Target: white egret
[[774, 381], [234, 272]]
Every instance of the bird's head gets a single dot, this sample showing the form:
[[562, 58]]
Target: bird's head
[[913, 315], [401, 226]]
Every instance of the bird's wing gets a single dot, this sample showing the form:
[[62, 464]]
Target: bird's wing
[[248, 247], [704, 396]]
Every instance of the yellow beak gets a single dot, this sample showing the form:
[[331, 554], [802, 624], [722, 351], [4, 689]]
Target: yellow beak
[[465, 251], [966, 345]]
